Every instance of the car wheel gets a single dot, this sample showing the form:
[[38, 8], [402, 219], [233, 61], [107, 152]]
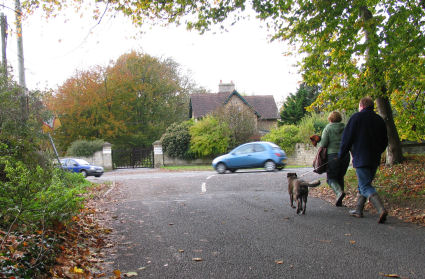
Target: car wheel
[[269, 166], [84, 173], [221, 168]]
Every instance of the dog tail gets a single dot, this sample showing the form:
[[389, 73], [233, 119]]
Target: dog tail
[[314, 183]]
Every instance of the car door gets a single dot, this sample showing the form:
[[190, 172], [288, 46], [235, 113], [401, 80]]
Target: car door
[[73, 165], [259, 156], [241, 157]]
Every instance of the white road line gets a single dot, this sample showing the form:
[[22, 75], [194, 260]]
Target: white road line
[[210, 176], [204, 187]]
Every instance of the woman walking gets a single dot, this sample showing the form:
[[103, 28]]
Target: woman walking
[[331, 139]]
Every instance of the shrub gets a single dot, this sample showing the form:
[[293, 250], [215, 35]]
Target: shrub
[[37, 196], [209, 137], [84, 148], [285, 136], [176, 140], [311, 124]]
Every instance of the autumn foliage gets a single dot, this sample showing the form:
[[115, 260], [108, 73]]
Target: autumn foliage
[[132, 101]]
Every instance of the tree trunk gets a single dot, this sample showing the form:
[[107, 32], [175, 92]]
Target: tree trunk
[[394, 151]]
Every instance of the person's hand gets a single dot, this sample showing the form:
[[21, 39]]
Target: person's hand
[[315, 139]]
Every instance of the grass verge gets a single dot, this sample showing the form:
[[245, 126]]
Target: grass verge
[[402, 187]]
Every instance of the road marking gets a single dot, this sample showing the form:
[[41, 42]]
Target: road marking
[[210, 176], [204, 187]]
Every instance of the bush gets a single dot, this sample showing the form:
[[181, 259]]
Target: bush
[[310, 125], [209, 137], [35, 196], [176, 140], [285, 136], [84, 148]]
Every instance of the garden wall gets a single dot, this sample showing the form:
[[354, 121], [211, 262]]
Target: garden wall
[[303, 155], [413, 147], [162, 159]]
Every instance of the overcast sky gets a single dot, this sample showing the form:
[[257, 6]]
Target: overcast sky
[[56, 48]]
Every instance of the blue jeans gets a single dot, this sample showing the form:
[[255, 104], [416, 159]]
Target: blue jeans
[[365, 177]]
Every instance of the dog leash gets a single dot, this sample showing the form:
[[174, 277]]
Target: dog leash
[[316, 168]]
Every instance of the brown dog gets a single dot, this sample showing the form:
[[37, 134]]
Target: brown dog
[[298, 190]]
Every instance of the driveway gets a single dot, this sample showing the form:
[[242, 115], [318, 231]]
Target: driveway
[[206, 225]]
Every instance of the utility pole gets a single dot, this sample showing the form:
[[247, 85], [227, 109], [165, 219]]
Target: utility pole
[[3, 20], [18, 12], [21, 67]]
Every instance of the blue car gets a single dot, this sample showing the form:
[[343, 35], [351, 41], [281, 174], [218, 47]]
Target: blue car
[[81, 166], [251, 155]]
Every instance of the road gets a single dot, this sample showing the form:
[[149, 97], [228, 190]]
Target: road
[[206, 225]]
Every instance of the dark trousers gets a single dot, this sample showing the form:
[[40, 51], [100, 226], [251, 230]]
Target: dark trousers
[[337, 168]]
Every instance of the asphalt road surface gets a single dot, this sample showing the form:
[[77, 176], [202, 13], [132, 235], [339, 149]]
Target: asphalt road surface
[[240, 225]]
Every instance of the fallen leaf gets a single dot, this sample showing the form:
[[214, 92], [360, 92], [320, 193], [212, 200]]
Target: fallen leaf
[[142, 268], [77, 270], [278, 261], [181, 250], [197, 259], [352, 241], [389, 275], [347, 234], [117, 273], [130, 274]]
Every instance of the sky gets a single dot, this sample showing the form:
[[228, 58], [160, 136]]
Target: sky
[[55, 49]]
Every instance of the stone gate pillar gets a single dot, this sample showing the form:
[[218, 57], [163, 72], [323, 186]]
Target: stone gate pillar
[[107, 156], [158, 154]]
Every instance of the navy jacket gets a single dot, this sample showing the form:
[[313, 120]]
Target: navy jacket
[[366, 137]]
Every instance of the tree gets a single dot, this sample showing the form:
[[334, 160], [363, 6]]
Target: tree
[[131, 102], [350, 48], [294, 108], [241, 121]]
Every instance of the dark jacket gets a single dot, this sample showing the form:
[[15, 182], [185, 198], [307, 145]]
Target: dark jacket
[[366, 137]]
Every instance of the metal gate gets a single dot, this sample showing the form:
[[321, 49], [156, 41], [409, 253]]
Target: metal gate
[[134, 157]]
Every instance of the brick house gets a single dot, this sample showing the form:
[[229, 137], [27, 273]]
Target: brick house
[[263, 107]]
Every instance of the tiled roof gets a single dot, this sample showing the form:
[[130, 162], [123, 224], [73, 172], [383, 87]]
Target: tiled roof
[[202, 104], [264, 105]]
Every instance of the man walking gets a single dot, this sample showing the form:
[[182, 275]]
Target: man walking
[[366, 137]]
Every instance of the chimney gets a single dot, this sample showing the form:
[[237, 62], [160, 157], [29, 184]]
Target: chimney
[[226, 87]]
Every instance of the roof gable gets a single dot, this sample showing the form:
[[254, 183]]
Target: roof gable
[[235, 93], [203, 103]]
